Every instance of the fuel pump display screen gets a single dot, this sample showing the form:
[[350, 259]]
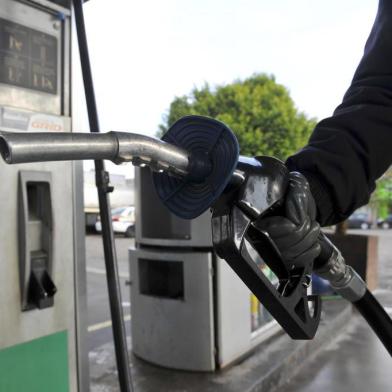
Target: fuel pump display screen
[[28, 57]]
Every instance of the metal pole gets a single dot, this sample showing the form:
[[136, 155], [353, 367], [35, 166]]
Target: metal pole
[[103, 187]]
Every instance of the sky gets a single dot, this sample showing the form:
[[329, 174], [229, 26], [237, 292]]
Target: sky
[[144, 53]]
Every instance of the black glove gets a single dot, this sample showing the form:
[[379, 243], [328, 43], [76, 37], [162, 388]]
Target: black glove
[[296, 233]]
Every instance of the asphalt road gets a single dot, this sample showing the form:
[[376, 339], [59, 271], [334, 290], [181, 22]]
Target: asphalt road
[[99, 320]]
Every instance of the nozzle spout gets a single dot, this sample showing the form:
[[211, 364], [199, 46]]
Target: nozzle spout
[[41, 147], [119, 147]]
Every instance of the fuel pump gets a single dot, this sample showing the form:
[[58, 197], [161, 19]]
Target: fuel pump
[[42, 268], [197, 166]]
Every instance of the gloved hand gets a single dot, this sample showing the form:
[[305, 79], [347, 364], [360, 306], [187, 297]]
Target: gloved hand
[[296, 233]]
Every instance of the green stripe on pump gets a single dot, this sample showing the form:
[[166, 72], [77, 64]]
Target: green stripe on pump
[[40, 365]]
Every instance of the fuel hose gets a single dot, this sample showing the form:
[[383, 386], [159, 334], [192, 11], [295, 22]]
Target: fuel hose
[[376, 316], [331, 266]]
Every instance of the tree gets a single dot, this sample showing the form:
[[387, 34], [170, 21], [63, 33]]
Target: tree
[[259, 111]]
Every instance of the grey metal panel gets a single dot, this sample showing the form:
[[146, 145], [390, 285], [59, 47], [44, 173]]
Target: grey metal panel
[[199, 234], [233, 314], [20, 327], [172, 332]]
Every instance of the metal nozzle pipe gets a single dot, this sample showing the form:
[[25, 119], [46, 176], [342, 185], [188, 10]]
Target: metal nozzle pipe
[[119, 147]]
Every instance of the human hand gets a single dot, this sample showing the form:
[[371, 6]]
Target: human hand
[[296, 233]]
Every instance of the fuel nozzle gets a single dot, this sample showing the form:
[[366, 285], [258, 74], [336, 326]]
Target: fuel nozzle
[[191, 165]]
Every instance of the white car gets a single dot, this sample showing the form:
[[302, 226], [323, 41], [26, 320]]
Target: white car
[[123, 221]]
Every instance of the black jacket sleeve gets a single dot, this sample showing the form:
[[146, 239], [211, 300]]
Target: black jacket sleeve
[[347, 152]]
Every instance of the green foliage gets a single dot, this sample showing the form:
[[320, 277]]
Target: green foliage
[[381, 200], [258, 110]]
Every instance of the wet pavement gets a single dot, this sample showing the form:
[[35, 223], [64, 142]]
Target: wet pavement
[[346, 356], [99, 320], [273, 361], [356, 361]]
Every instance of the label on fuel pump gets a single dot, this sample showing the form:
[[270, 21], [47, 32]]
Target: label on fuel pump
[[21, 120]]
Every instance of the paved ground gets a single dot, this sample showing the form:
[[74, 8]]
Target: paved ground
[[98, 304], [356, 361]]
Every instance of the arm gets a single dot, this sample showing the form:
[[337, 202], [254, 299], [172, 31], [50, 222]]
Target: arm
[[347, 152]]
